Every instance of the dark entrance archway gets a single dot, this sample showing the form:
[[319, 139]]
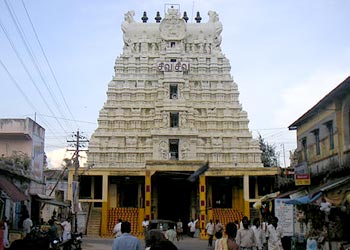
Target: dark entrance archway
[[174, 195]]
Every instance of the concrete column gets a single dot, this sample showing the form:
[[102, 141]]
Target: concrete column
[[202, 205], [104, 219], [246, 195], [148, 197]]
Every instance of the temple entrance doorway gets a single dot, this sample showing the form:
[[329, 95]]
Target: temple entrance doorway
[[174, 195]]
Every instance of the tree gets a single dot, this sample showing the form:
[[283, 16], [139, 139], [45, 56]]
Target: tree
[[269, 157]]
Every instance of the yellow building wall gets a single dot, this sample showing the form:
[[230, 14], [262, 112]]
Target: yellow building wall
[[237, 198], [317, 121], [112, 195]]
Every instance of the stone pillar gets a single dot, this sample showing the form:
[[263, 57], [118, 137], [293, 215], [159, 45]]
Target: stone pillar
[[246, 195], [202, 206], [104, 219], [148, 197]]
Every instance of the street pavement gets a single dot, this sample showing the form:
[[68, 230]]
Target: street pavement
[[106, 243]]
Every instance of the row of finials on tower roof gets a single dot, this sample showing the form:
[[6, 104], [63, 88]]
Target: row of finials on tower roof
[[144, 17]]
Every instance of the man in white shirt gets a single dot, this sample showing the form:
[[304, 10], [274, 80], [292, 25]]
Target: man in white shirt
[[192, 226], [210, 231], [117, 228], [145, 224], [259, 234], [67, 228], [27, 225], [245, 236], [274, 234]]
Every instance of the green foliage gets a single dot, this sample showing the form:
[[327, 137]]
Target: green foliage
[[269, 156]]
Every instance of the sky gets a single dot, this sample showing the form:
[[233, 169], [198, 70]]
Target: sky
[[57, 58]]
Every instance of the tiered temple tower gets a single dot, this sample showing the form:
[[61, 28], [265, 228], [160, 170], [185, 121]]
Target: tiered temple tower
[[172, 106], [172, 98]]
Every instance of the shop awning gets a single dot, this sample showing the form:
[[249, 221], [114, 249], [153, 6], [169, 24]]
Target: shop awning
[[304, 200], [11, 190], [55, 203], [258, 204], [50, 200], [293, 193], [331, 185]]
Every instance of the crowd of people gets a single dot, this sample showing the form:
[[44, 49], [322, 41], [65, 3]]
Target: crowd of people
[[56, 229], [235, 236], [244, 236], [156, 237]]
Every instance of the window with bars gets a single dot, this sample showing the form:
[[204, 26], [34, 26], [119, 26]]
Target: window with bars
[[173, 149], [329, 125], [304, 146], [316, 133], [174, 119], [173, 91]]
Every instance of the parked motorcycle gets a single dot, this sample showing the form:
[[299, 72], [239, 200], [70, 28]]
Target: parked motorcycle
[[74, 242], [77, 240], [35, 240]]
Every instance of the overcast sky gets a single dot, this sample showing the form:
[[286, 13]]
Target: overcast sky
[[285, 56]]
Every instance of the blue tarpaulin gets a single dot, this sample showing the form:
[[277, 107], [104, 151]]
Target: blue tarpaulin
[[304, 199]]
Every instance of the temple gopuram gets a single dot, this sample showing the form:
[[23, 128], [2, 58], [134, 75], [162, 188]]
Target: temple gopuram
[[172, 140]]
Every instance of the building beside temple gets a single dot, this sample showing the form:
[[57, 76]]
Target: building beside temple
[[172, 140], [21, 169], [323, 133], [322, 167]]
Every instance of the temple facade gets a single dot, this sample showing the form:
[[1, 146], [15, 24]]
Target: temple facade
[[172, 140]]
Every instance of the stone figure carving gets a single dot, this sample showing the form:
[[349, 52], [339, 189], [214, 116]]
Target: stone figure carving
[[200, 142], [184, 119], [172, 27], [131, 141], [163, 150], [214, 19], [184, 151], [165, 119], [153, 48], [217, 141], [128, 19]]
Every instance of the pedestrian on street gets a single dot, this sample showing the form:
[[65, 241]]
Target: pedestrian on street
[[27, 225], [67, 228], [259, 234], [192, 226], [219, 228], [210, 231], [6, 234], [145, 224], [179, 230], [117, 228], [231, 232], [245, 236], [274, 235], [170, 234], [126, 241], [153, 236]]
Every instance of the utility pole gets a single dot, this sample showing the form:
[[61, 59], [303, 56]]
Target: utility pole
[[77, 145], [284, 155]]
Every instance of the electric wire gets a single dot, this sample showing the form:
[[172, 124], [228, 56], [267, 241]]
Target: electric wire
[[28, 73], [32, 55], [18, 86], [62, 118], [48, 63], [22, 92]]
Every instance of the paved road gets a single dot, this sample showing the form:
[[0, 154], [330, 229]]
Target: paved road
[[106, 244]]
